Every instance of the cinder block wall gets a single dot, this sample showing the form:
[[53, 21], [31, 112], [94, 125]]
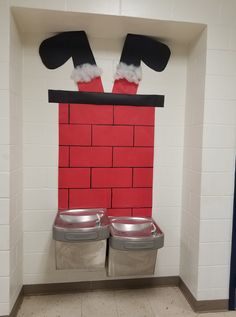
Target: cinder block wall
[[40, 145], [41, 149]]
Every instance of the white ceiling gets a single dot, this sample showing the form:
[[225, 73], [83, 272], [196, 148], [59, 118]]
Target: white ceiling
[[105, 26]]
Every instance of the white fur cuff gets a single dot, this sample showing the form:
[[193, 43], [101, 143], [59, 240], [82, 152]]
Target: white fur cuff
[[85, 73], [131, 73]]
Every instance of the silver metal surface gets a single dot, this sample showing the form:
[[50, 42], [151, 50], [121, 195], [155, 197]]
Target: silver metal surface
[[133, 246], [135, 233], [81, 239], [132, 227], [81, 224], [80, 218], [81, 256], [131, 263], [84, 210]]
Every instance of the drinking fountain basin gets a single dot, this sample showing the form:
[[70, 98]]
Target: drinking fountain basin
[[80, 238], [133, 246]]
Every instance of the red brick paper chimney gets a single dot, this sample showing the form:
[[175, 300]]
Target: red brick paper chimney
[[106, 151]]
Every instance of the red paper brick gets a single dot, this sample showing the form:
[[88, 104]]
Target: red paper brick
[[130, 115], [73, 134], [112, 135], [91, 114], [119, 212], [133, 157], [90, 198], [143, 136], [143, 177], [63, 156], [131, 197], [111, 177], [63, 199], [142, 212], [74, 177], [63, 113], [90, 156]]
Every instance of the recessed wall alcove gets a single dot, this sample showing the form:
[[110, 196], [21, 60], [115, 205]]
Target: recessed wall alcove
[[178, 132]]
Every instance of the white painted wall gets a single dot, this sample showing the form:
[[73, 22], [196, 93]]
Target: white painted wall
[[168, 156], [218, 160], [214, 209], [11, 242], [16, 164], [4, 159], [192, 162]]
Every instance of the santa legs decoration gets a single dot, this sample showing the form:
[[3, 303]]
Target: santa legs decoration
[[106, 151]]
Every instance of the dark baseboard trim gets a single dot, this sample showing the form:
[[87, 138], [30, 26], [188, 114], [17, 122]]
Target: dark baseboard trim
[[150, 282], [55, 288], [17, 304], [202, 306]]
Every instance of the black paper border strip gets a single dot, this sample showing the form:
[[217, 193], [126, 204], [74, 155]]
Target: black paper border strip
[[97, 98]]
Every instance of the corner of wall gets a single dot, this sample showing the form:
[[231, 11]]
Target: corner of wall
[[16, 175], [192, 164]]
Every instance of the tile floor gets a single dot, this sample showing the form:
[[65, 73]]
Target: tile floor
[[153, 302]]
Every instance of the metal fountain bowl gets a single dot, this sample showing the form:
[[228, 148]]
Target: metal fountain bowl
[[134, 227], [81, 216], [81, 224], [134, 232], [133, 246]]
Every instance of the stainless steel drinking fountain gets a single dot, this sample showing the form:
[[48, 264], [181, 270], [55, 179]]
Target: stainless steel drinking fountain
[[81, 238], [133, 246]]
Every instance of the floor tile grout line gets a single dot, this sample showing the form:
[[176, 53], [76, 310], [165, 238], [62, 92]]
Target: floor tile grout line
[[81, 305], [149, 303], [116, 304]]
